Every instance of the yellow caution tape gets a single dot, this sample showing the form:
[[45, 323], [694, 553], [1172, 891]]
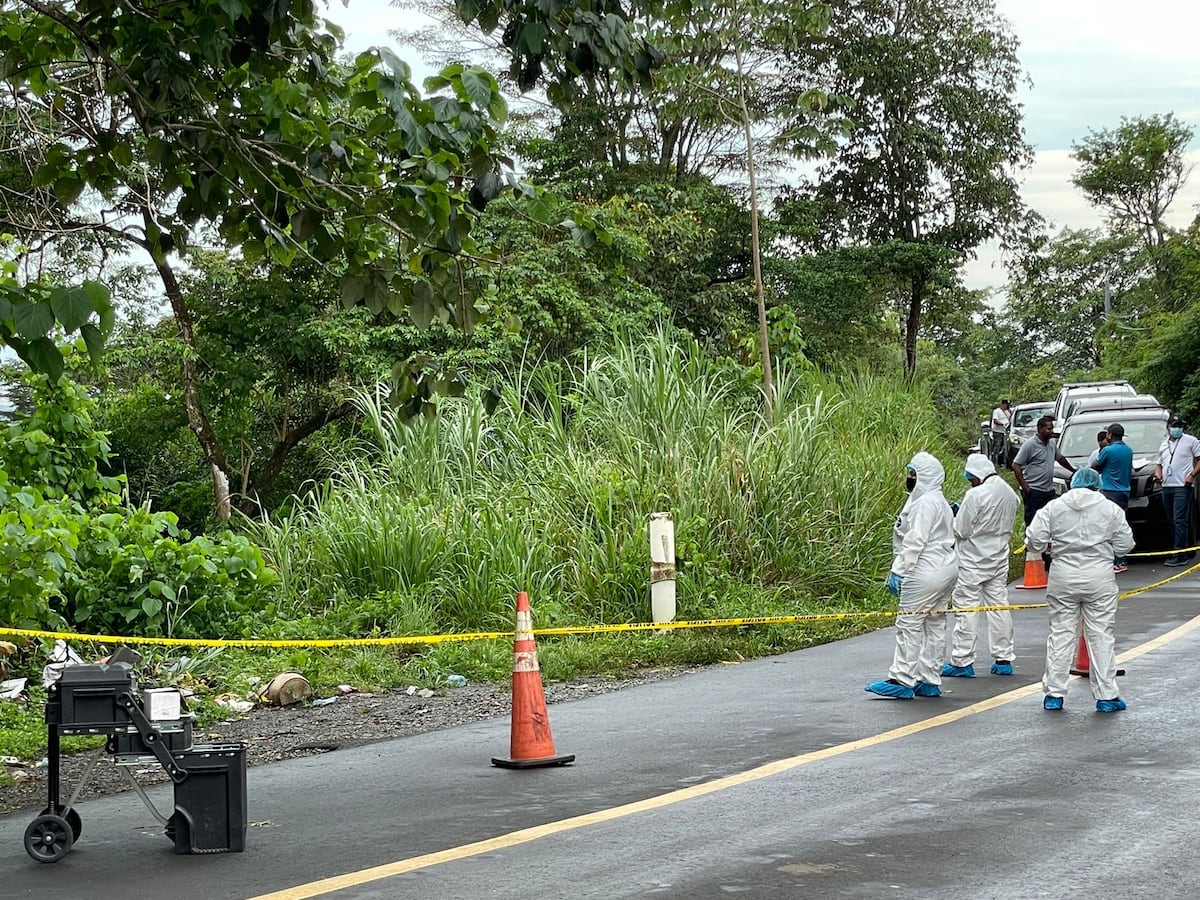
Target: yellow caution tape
[[562, 631], [237, 642], [1164, 552]]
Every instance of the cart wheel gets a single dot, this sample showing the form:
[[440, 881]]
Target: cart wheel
[[72, 818], [48, 838]]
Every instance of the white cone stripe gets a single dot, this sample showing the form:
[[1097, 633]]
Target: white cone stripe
[[524, 629], [525, 661]]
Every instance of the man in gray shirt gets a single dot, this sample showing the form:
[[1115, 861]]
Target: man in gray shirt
[[1034, 468]]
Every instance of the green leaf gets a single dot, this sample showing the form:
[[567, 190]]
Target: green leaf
[[468, 10], [122, 153], [395, 63], [152, 606], [67, 188], [479, 87], [354, 288], [94, 340], [489, 17], [32, 319], [44, 356], [422, 308], [71, 306]]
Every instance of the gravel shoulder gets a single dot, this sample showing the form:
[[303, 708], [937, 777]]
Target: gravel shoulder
[[273, 733]]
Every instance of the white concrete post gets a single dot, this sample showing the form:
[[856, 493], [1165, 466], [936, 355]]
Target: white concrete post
[[662, 567]]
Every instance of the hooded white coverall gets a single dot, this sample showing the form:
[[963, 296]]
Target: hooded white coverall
[[1083, 530], [983, 527], [923, 548]]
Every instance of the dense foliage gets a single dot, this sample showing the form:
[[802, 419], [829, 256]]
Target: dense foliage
[[75, 556], [440, 523]]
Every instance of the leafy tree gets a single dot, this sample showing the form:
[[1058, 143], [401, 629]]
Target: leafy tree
[[681, 123], [1165, 361], [840, 300], [148, 121], [935, 138], [278, 355], [1134, 172], [1057, 296]]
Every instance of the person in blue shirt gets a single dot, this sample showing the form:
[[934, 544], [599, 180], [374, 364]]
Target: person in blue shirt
[[1115, 465]]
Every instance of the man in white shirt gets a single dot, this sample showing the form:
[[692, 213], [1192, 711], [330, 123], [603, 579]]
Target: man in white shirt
[[1102, 442], [1001, 419], [1178, 465]]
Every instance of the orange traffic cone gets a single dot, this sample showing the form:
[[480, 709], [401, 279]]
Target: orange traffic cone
[[1035, 573], [531, 744], [1083, 662]]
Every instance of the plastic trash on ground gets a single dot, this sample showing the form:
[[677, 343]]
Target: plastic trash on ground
[[60, 657]]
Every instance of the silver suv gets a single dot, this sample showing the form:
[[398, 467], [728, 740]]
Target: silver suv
[[1075, 390]]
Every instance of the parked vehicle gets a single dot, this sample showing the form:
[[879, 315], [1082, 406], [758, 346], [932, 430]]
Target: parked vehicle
[[1145, 428], [1112, 402], [1074, 390], [1024, 424]]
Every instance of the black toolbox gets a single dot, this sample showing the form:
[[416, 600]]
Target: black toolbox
[[87, 698], [210, 803], [175, 736]]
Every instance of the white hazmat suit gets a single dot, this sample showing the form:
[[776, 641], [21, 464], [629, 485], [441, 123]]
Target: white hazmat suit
[[924, 557], [983, 527], [1082, 530]]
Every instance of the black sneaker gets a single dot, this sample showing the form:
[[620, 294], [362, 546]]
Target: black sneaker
[[1175, 561]]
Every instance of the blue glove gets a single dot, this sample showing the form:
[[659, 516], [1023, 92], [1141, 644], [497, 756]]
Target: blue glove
[[893, 583]]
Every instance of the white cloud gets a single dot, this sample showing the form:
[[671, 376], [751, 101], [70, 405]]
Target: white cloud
[[367, 22], [1047, 188], [1150, 29]]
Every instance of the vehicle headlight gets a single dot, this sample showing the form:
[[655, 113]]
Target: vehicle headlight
[[1060, 486]]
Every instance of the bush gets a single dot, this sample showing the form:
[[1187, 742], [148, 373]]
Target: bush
[[76, 555]]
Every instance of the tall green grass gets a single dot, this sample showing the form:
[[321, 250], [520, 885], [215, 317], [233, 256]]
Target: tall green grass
[[435, 526]]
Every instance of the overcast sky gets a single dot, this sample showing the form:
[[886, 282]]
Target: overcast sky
[[1091, 62]]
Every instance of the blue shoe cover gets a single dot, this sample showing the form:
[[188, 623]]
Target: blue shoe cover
[[949, 671], [1052, 702], [1110, 705], [925, 689], [887, 689], [1001, 668]]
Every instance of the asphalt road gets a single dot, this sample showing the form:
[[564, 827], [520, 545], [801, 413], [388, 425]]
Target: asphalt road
[[775, 777]]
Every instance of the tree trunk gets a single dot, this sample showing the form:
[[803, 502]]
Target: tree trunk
[[210, 445], [912, 326], [764, 340], [251, 502]]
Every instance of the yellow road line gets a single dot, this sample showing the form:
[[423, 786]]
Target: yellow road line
[[526, 835]]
